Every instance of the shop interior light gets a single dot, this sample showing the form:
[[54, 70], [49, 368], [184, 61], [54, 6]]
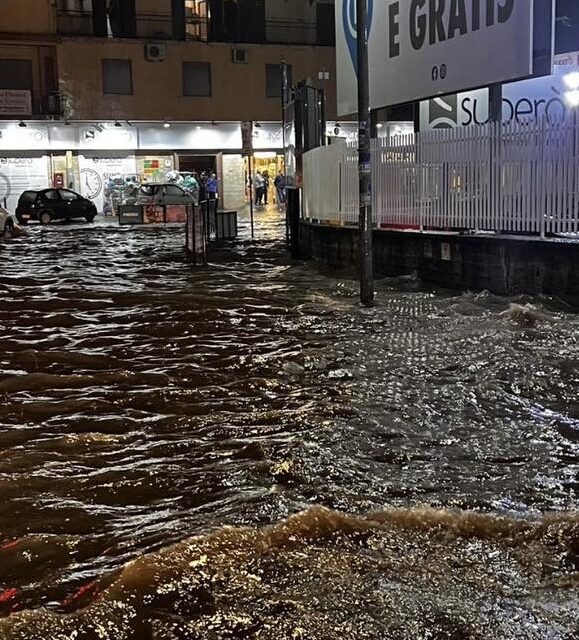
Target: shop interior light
[[22, 124], [379, 125], [572, 98], [167, 125], [572, 80]]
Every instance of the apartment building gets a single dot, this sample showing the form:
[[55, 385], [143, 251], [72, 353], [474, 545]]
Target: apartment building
[[142, 87]]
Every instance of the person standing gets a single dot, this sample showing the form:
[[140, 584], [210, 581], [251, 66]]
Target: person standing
[[213, 187], [259, 182], [265, 187], [202, 186], [279, 183]]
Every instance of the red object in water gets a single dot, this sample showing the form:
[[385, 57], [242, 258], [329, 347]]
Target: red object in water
[[9, 545], [8, 594], [90, 590]]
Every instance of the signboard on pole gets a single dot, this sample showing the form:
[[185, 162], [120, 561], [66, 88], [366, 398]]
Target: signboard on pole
[[424, 48], [247, 138]]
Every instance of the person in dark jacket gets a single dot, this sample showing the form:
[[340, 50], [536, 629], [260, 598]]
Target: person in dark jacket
[[279, 183], [265, 175]]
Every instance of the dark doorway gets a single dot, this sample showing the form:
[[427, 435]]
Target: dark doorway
[[197, 163]]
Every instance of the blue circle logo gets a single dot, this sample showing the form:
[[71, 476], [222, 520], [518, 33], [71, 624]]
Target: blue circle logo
[[350, 25]]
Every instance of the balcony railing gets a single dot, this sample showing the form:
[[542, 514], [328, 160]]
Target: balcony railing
[[31, 104], [290, 32], [149, 26], [160, 26]]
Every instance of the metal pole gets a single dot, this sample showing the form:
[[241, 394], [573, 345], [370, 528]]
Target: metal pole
[[364, 159], [250, 158]]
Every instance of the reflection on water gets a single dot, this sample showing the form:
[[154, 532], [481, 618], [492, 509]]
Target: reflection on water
[[146, 403]]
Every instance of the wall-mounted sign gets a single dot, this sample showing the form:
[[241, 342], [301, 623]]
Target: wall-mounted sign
[[107, 181], [15, 102], [422, 48], [107, 137], [18, 175], [533, 100]]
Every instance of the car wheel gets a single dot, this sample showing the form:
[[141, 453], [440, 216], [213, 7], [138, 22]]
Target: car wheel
[[8, 228], [45, 217], [89, 217], [21, 221]]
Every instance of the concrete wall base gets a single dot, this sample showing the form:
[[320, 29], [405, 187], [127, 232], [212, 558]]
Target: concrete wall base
[[505, 265]]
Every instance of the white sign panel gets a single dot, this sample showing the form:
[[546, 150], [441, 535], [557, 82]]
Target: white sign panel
[[15, 102], [533, 100], [101, 179], [423, 48], [108, 137], [18, 175]]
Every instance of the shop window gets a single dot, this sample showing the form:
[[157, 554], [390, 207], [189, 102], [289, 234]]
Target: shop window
[[16, 74], [273, 79], [197, 79], [117, 77]]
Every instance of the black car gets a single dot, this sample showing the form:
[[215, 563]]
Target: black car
[[53, 204]]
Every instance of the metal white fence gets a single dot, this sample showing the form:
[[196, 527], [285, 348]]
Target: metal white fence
[[496, 177]]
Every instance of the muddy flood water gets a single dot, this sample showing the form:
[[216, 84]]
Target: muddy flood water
[[244, 452]]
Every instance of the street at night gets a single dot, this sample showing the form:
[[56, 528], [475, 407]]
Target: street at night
[[146, 401]]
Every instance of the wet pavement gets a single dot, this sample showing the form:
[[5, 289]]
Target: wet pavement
[[161, 426]]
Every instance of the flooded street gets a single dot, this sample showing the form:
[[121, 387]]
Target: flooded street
[[243, 452]]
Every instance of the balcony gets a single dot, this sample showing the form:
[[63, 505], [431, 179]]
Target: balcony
[[148, 26], [290, 32], [31, 104]]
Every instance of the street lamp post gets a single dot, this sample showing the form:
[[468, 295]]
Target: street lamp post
[[365, 221]]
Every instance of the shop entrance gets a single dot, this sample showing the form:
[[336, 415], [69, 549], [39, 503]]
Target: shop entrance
[[197, 164], [270, 162]]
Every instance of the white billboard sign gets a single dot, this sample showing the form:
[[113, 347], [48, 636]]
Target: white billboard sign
[[423, 48], [534, 100]]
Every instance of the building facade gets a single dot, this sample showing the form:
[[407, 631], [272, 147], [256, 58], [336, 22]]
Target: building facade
[[105, 87]]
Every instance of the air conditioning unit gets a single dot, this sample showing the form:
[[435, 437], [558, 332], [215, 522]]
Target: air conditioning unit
[[239, 56], [155, 52]]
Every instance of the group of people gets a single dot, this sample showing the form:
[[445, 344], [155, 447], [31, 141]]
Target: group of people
[[261, 185], [201, 186]]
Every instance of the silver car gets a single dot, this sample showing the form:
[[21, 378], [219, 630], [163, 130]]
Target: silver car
[[162, 194]]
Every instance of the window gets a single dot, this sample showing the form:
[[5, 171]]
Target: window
[[325, 25], [197, 79], [148, 190], [51, 195], [172, 190], [16, 74], [273, 79], [68, 196], [117, 77]]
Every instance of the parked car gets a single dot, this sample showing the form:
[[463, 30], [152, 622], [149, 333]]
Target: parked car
[[162, 194], [47, 205], [6, 222]]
